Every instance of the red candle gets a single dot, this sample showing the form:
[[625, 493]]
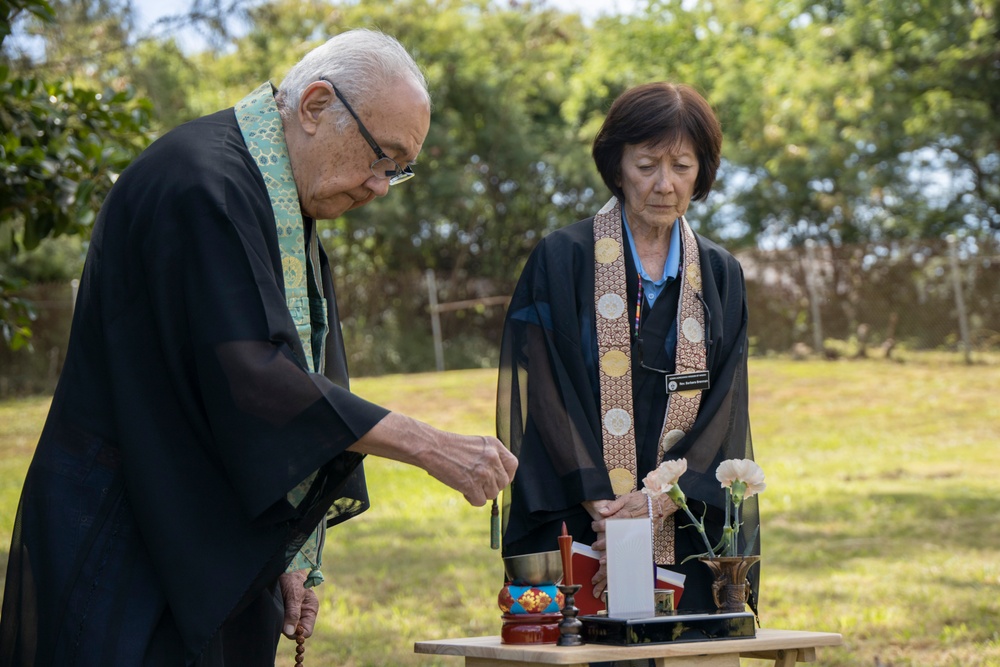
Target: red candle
[[566, 551]]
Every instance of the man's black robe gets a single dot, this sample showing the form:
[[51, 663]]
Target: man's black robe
[[548, 403], [153, 523]]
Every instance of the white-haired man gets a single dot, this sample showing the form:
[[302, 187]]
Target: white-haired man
[[202, 436]]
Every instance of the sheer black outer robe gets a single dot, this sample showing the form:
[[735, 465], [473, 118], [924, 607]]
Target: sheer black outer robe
[[548, 403], [153, 523]]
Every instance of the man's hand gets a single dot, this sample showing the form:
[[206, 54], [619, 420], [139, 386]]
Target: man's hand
[[477, 466], [301, 603]]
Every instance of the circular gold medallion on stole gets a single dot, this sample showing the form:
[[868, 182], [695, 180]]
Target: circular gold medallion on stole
[[614, 363], [606, 250], [693, 276], [672, 437], [622, 481]]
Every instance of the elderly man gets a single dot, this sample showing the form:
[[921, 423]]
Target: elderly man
[[202, 436]]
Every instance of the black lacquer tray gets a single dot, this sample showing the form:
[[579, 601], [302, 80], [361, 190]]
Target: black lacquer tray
[[676, 627]]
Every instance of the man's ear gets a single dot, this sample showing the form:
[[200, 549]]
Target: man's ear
[[316, 98]]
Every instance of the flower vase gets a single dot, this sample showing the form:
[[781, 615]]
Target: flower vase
[[730, 589]]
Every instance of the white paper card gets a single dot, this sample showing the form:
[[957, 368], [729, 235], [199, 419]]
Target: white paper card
[[630, 568]]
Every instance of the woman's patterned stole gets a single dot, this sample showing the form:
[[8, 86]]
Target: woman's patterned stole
[[615, 351], [260, 123]]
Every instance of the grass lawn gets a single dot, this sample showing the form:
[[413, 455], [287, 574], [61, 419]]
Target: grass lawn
[[881, 519]]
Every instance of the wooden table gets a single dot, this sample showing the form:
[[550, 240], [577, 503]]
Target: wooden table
[[785, 647]]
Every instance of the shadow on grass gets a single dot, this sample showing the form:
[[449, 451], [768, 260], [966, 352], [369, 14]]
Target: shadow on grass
[[884, 525], [414, 547]]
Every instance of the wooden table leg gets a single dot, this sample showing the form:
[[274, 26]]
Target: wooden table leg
[[722, 660], [784, 657], [493, 662], [719, 660]]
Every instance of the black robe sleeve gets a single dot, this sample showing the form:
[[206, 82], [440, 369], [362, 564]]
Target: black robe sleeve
[[547, 403]]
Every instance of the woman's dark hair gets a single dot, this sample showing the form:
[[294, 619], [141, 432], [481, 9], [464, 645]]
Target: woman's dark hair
[[664, 114]]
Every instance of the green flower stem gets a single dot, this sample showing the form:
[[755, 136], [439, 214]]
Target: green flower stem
[[680, 500], [727, 532], [737, 524]]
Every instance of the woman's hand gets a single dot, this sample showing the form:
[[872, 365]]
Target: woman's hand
[[596, 510], [624, 507], [632, 506], [629, 506]]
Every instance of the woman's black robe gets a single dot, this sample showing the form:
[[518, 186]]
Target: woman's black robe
[[153, 523], [548, 403]]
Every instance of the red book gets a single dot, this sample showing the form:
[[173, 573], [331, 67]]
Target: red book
[[585, 566], [670, 580]]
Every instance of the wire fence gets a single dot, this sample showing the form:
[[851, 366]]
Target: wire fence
[[856, 299], [852, 300]]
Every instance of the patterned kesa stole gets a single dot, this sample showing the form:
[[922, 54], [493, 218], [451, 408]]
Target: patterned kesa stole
[[615, 351], [260, 123]]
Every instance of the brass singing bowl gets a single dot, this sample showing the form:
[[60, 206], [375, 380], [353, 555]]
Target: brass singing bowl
[[538, 569]]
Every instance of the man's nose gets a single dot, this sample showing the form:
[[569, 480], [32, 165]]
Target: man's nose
[[380, 186]]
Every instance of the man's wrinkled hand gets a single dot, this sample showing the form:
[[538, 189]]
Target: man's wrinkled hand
[[301, 604], [479, 467]]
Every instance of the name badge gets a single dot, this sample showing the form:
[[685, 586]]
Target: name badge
[[697, 381]]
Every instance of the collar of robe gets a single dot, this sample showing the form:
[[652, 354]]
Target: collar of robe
[[260, 123], [615, 352]]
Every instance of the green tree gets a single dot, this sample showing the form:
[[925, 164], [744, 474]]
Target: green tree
[[62, 144], [940, 85], [499, 168], [845, 121]]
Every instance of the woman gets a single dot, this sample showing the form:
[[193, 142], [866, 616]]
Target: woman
[[613, 316]]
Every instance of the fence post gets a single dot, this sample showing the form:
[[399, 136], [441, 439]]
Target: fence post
[[74, 287], [956, 281], [811, 284], [432, 298]]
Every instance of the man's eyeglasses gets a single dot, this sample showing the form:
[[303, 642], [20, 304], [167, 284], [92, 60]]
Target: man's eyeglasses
[[383, 166]]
